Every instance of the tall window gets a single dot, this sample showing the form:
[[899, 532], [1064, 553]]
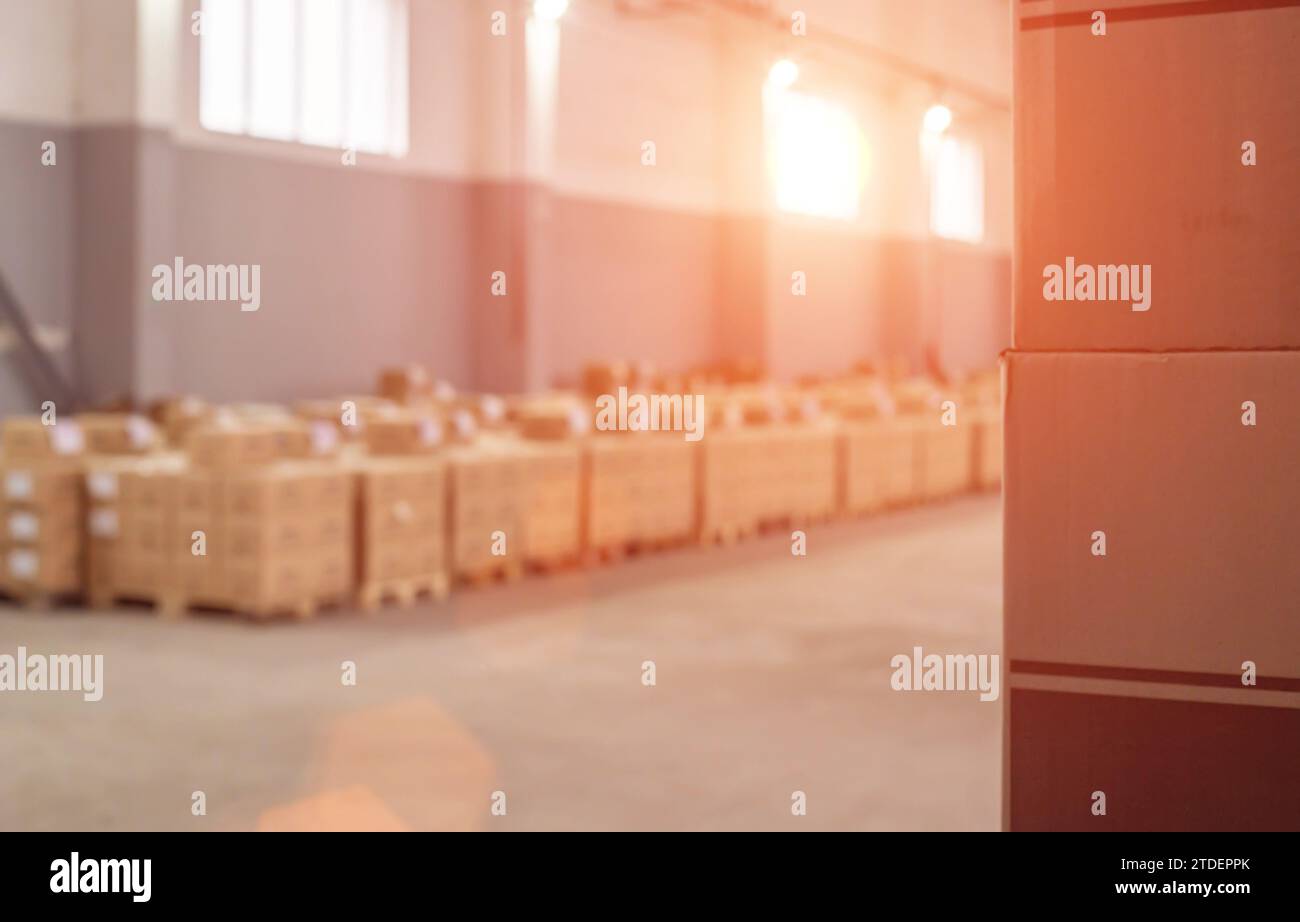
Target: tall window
[[326, 72], [957, 190], [815, 155]]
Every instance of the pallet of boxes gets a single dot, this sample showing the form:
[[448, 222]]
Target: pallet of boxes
[[944, 437], [768, 459], [118, 445], [1153, 426], [548, 443], [639, 486], [42, 548], [877, 451], [402, 525], [257, 520]]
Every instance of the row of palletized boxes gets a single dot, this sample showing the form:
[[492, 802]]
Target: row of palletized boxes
[[258, 514], [1152, 429]]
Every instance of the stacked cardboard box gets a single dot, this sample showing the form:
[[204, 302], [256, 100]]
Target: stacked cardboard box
[[403, 432], [766, 473], [877, 449], [944, 438], [1150, 496], [405, 384], [106, 549], [981, 405], [347, 415], [41, 508], [552, 500], [640, 490], [402, 529], [238, 528], [487, 493], [178, 416], [288, 534]]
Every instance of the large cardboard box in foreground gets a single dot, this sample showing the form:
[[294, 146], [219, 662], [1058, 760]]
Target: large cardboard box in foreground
[[1185, 466], [1129, 152]]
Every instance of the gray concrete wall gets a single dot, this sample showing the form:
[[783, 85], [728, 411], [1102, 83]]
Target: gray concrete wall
[[362, 268], [38, 241]]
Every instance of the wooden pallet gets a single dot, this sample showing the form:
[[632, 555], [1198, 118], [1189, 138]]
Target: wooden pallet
[[176, 606], [38, 599], [554, 563], [726, 535], [403, 592], [509, 572]]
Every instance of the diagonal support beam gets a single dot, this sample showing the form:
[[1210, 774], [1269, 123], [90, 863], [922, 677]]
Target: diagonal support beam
[[48, 381]]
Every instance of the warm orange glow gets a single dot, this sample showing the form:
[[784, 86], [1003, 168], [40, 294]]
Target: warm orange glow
[[815, 155]]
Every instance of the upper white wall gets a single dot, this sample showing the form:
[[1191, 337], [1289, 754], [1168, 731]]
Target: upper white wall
[[689, 82], [37, 55]]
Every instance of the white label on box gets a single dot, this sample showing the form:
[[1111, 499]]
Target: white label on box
[[430, 432], [19, 485], [67, 439], [579, 422], [103, 523], [24, 526], [139, 431], [324, 437], [493, 408], [102, 484], [24, 564], [465, 424]]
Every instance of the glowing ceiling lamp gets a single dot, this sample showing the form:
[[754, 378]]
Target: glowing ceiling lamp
[[783, 74], [550, 10], [937, 119]]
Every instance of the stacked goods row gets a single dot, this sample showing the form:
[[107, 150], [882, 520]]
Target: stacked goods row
[[781, 473], [640, 491], [250, 508], [42, 539], [1152, 428], [237, 526], [401, 519]]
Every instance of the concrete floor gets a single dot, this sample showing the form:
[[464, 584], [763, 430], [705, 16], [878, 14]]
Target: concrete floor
[[772, 676]]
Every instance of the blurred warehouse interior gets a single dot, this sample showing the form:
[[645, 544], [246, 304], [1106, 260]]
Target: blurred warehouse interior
[[684, 182], [469, 219]]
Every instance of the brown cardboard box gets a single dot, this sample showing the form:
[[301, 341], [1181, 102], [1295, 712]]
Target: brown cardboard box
[[552, 501], [40, 524], [53, 526], [988, 446], [403, 432], [178, 416], [552, 419], [232, 445], [945, 455], [1199, 512], [26, 438], [487, 495], [1129, 151], [405, 383], [1168, 760], [46, 569], [402, 523], [878, 463], [639, 488], [118, 433]]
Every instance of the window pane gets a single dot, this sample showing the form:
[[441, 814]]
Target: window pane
[[368, 67], [221, 66], [957, 191], [271, 39], [322, 84], [815, 155]]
